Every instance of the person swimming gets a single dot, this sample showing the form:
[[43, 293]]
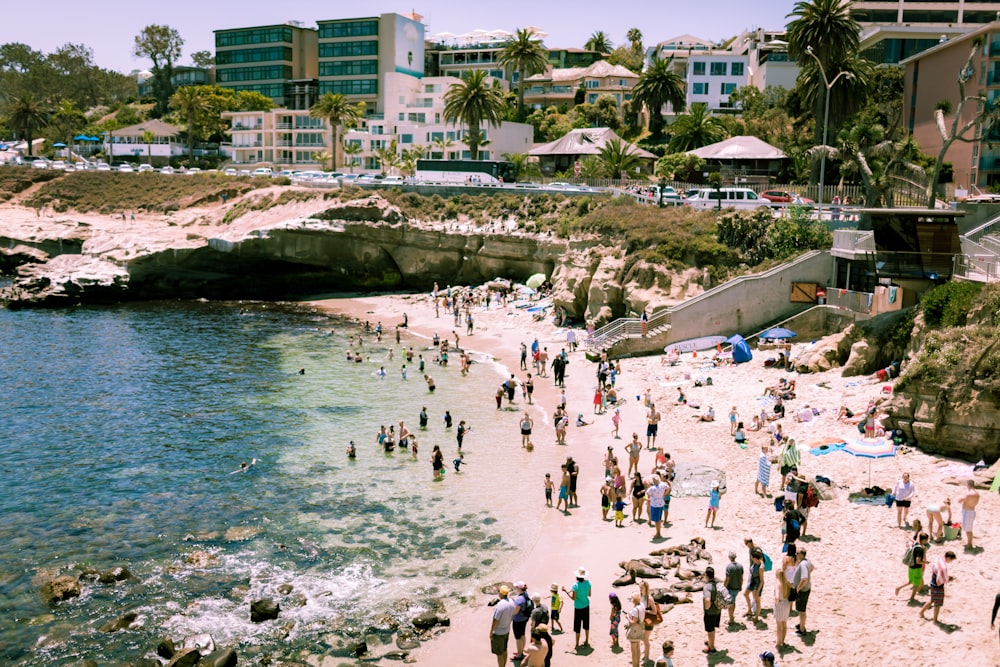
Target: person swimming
[[245, 467]]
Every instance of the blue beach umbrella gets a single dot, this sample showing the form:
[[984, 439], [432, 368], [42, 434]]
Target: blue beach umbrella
[[59, 144], [778, 332], [81, 137]]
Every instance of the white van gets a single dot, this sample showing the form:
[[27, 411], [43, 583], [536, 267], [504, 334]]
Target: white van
[[743, 198], [263, 171]]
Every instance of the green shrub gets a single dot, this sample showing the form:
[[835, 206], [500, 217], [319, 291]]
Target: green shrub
[[948, 305]]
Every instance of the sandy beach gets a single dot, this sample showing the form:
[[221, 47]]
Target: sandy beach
[[854, 616]]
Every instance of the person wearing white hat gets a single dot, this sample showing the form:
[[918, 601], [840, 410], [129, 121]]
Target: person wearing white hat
[[580, 594]]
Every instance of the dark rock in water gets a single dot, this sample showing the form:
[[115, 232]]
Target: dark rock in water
[[444, 620], [185, 658], [463, 572], [203, 642], [59, 589], [426, 620], [120, 623], [114, 575], [407, 642], [166, 649], [359, 648], [224, 657], [285, 589], [264, 610], [88, 663], [142, 662]]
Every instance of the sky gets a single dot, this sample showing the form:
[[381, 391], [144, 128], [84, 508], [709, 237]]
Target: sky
[[109, 26]]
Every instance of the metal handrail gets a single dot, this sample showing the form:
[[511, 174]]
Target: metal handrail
[[627, 327]]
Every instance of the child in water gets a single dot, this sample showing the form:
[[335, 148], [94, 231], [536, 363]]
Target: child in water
[[352, 451], [459, 461], [549, 485]]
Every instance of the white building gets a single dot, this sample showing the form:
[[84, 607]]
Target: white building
[[712, 77], [153, 141], [414, 116]]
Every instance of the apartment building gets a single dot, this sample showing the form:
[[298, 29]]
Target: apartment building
[[558, 86], [355, 54], [182, 76], [931, 77], [265, 59], [413, 116], [454, 55], [712, 77], [943, 13]]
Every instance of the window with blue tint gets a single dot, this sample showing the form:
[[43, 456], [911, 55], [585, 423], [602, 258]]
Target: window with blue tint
[[727, 88], [406, 138], [348, 49], [253, 73], [698, 68], [349, 87], [253, 36], [363, 28], [736, 69], [718, 69], [348, 67], [262, 55]]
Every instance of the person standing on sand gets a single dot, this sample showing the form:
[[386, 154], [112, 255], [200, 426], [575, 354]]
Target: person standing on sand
[[503, 617], [802, 583], [733, 583], [526, 424], [939, 577], [733, 418], [656, 494], [529, 389], [714, 498], [564, 490], [712, 616], [634, 635], [574, 470], [524, 356], [580, 594], [763, 472], [903, 493], [638, 496], [968, 503], [652, 426], [555, 606], [616, 421], [633, 448]]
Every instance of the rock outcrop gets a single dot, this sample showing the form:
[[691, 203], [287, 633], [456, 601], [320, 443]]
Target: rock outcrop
[[59, 589], [949, 421]]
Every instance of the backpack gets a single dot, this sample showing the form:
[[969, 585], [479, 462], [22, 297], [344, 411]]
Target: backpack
[[720, 597], [528, 605], [811, 498], [910, 557], [768, 565]]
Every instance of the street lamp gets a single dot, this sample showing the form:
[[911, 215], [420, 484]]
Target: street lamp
[[826, 121]]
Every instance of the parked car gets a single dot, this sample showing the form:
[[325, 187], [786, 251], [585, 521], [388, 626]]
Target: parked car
[[370, 178], [784, 197], [741, 198], [145, 168], [263, 172], [167, 169], [348, 179], [58, 164], [192, 171], [39, 164], [393, 180], [80, 166], [230, 172], [125, 168], [103, 166]]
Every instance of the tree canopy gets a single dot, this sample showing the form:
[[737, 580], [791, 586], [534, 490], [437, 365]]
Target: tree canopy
[[162, 45], [525, 53], [659, 85], [474, 101], [336, 110]]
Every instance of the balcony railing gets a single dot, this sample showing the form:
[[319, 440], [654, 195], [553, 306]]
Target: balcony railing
[[850, 242], [859, 302]]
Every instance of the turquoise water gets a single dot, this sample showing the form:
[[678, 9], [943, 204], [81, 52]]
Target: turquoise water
[[122, 425]]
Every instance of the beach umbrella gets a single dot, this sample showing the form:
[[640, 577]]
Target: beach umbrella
[[778, 332], [880, 448], [59, 144], [535, 281], [81, 137]]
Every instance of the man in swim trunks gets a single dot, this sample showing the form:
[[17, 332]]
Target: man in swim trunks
[[652, 426], [939, 577], [968, 503], [656, 495], [563, 490]]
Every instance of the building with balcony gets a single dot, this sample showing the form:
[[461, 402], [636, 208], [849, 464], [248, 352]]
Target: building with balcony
[[942, 13], [768, 61], [558, 87], [182, 76], [355, 54], [931, 77], [263, 59], [712, 77], [413, 116], [454, 55], [151, 142]]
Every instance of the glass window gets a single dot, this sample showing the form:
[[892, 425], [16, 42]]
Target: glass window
[[718, 69], [254, 36], [253, 73], [698, 68], [592, 83], [349, 87], [699, 88], [237, 56], [736, 69], [348, 68], [347, 49], [727, 88], [364, 28], [406, 138]]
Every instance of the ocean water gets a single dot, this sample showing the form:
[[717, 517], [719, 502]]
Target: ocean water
[[122, 424]]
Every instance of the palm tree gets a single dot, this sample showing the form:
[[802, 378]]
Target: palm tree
[[634, 37], [618, 156], [599, 42], [410, 157], [442, 144], [822, 31], [148, 138], [67, 121], [191, 103], [323, 157], [351, 148], [472, 101], [525, 53], [388, 156], [524, 166], [336, 110], [27, 116], [657, 86], [696, 129]]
